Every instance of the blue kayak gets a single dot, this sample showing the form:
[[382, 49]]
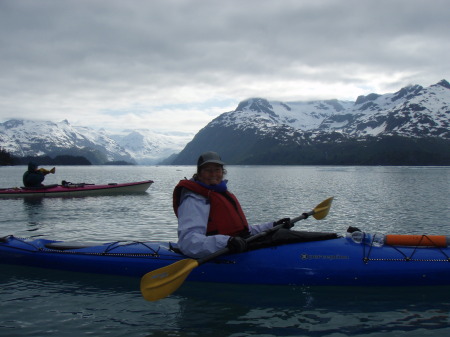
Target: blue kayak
[[341, 261]]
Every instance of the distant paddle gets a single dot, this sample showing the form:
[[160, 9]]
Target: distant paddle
[[45, 171], [162, 282]]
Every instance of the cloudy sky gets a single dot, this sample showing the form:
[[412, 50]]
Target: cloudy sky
[[174, 65]]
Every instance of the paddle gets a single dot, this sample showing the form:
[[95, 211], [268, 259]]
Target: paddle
[[162, 282], [45, 171]]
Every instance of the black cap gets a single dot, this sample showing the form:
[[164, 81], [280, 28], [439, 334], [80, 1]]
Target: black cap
[[209, 157]]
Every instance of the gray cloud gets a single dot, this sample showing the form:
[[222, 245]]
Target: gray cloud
[[111, 61]]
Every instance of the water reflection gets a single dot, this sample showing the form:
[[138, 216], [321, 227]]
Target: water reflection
[[74, 304], [298, 311], [33, 209]]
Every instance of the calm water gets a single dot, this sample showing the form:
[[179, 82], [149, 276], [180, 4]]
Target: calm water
[[35, 302]]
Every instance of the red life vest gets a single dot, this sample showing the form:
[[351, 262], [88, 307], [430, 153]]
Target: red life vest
[[225, 216]]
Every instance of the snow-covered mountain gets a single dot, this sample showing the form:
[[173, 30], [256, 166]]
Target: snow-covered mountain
[[390, 114], [148, 147], [39, 138], [44, 138], [413, 111], [412, 123], [259, 131]]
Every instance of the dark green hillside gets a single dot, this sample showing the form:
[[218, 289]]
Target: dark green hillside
[[6, 158], [375, 151], [249, 148]]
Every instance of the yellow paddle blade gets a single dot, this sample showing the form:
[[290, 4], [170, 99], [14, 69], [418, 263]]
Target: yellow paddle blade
[[322, 209], [162, 282]]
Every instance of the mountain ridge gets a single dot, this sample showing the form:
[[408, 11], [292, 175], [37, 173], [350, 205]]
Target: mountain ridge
[[288, 129]]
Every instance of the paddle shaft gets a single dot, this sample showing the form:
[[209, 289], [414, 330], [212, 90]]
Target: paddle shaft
[[252, 238]]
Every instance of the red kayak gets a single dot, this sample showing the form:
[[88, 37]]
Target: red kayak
[[75, 190]]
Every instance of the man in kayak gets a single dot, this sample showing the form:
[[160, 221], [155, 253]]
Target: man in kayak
[[209, 216], [34, 176]]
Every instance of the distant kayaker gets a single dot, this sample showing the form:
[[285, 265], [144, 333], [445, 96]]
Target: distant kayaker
[[35, 176], [209, 216]]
